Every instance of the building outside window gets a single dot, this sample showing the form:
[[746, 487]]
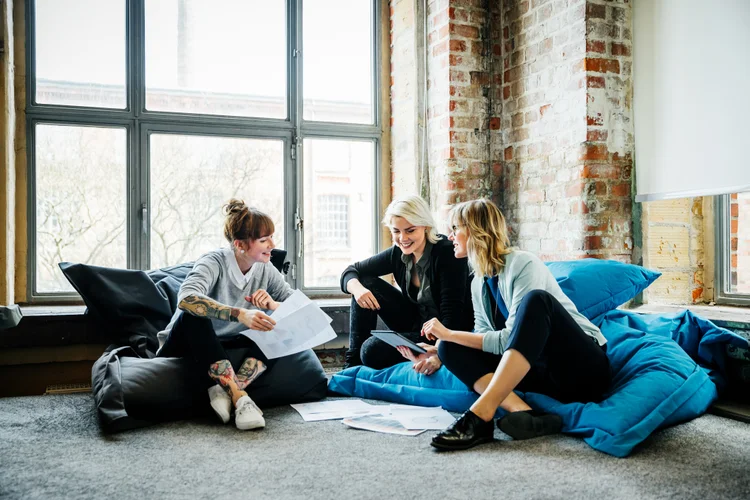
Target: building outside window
[[333, 217], [146, 116], [733, 249]]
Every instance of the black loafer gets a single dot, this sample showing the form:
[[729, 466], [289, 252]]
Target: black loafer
[[467, 431], [530, 424]]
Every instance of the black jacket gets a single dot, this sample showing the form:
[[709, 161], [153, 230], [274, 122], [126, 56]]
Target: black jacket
[[449, 278]]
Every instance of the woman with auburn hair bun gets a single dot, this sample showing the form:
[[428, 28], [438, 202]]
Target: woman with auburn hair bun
[[229, 290], [433, 283], [527, 335]]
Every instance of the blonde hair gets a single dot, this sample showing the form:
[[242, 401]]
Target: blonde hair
[[243, 222], [416, 211], [487, 235]]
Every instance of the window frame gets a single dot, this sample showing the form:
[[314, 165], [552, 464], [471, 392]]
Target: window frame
[[722, 279], [140, 122]]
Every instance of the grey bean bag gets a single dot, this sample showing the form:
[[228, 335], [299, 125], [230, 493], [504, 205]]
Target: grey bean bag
[[132, 388]]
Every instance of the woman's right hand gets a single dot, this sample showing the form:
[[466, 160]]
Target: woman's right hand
[[256, 320], [366, 299]]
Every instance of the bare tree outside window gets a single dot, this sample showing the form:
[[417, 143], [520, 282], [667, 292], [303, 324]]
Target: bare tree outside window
[[81, 200], [192, 177]]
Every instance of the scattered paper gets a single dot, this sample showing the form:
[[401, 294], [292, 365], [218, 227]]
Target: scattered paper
[[417, 417], [338, 409], [300, 325], [380, 424]]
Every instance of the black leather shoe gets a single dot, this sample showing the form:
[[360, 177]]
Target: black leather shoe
[[467, 431], [530, 424]]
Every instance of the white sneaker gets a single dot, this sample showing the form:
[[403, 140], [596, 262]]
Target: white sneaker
[[220, 402], [248, 415]]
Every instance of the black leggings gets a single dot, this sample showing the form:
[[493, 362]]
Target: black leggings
[[194, 338], [566, 364], [397, 312]]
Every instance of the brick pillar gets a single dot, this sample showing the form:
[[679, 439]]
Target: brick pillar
[[458, 98], [529, 102], [566, 127]]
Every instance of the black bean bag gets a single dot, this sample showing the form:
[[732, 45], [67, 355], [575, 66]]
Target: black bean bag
[[131, 387], [132, 392]]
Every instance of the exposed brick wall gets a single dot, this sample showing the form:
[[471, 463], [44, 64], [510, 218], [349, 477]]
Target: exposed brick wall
[[405, 108], [740, 242], [529, 102], [566, 128], [459, 82], [673, 234]]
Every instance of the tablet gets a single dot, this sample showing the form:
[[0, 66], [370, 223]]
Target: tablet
[[396, 340]]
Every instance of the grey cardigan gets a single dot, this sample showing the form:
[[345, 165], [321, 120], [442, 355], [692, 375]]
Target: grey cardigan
[[523, 273], [217, 276]]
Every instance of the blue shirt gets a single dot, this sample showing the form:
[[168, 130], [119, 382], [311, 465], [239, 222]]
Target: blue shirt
[[492, 283]]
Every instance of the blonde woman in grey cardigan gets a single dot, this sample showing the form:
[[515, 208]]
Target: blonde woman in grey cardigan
[[527, 335]]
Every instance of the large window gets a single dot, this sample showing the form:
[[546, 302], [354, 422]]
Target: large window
[[146, 116], [733, 249]]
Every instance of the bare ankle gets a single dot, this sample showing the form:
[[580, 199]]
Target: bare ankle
[[236, 395]]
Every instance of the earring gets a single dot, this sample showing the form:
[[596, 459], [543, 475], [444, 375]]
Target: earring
[[242, 251]]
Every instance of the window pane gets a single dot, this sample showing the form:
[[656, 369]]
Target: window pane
[[339, 178], [226, 58], [192, 177], [80, 53], [740, 243], [80, 200], [337, 77]]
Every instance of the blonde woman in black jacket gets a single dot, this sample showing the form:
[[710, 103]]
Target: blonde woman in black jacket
[[432, 283]]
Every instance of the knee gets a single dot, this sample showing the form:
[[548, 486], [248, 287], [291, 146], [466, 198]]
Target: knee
[[448, 352], [189, 321], [374, 353], [537, 297], [369, 281]]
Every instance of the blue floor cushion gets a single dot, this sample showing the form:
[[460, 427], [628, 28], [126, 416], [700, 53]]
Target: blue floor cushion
[[656, 380]]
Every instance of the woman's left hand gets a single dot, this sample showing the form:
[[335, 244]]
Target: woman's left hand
[[434, 329], [262, 300], [427, 362]]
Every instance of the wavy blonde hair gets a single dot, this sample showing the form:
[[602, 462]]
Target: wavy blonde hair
[[487, 235], [414, 209]]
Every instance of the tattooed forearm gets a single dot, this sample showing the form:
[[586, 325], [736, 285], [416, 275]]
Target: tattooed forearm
[[200, 305]]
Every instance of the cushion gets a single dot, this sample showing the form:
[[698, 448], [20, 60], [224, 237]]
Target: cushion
[[596, 286], [130, 306], [131, 392], [656, 383]]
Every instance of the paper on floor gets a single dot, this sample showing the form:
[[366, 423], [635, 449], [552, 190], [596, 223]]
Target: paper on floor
[[418, 417], [375, 423], [333, 410]]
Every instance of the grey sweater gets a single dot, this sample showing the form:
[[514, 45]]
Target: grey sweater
[[217, 276], [523, 273]]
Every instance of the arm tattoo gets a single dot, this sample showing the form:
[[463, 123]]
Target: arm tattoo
[[204, 307]]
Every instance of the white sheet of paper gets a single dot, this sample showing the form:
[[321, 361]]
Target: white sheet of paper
[[422, 418], [300, 325], [333, 410], [385, 425]]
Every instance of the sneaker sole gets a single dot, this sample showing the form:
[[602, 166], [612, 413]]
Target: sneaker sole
[[251, 425], [221, 413], [447, 447]]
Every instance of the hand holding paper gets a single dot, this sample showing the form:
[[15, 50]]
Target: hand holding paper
[[299, 325]]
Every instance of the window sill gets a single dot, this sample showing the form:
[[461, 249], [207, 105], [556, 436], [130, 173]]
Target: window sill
[[46, 326], [724, 316]]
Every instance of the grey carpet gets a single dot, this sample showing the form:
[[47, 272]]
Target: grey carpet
[[51, 447]]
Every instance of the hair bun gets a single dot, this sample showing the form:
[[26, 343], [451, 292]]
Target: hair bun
[[234, 206]]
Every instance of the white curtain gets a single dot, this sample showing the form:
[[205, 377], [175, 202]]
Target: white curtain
[[691, 97]]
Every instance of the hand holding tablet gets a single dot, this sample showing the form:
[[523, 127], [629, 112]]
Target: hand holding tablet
[[395, 339]]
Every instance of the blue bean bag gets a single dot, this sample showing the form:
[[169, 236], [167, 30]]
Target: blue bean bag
[[666, 369]]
